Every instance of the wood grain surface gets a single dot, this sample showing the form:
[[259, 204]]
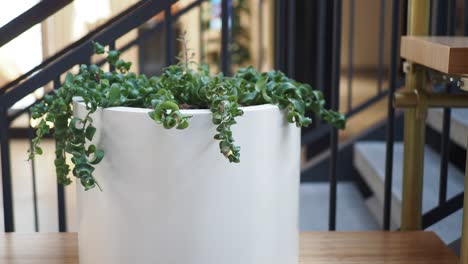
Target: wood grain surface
[[39, 248], [316, 248], [445, 54]]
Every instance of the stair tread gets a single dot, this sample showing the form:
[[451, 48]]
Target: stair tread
[[373, 153], [369, 160], [458, 124], [350, 205]]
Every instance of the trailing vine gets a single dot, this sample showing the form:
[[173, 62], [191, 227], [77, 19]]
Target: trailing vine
[[181, 86]]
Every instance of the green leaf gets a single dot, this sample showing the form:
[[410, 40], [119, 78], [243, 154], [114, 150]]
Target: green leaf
[[169, 105], [298, 105], [260, 84], [98, 156], [113, 56], [98, 48], [183, 124], [91, 149], [69, 78], [265, 95], [114, 94], [38, 150], [74, 122], [90, 131]]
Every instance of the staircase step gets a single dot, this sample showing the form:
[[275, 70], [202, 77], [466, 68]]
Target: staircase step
[[353, 214], [458, 124], [369, 160]]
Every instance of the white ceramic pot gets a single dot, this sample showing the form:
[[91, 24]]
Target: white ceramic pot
[[170, 197]]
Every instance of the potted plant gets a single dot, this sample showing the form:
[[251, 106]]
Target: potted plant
[[168, 196]]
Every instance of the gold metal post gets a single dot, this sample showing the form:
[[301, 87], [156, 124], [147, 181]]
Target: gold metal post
[[464, 244], [413, 156]]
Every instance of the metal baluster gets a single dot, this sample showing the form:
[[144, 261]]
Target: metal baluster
[[6, 172], [337, 13], [321, 38], [33, 175], [259, 32], [61, 204], [201, 41], [465, 17], [352, 7], [381, 45], [225, 36], [394, 61], [169, 36], [464, 238], [452, 17], [444, 152], [280, 35], [439, 17], [445, 139], [291, 34]]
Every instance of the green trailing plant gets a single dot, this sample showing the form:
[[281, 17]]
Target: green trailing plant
[[181, 86]]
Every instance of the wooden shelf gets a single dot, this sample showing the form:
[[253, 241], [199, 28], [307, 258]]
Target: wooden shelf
[[316, 248], [445, 54], [374, 248]]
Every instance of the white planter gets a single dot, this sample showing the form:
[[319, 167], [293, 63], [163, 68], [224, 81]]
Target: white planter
[[170, 197]]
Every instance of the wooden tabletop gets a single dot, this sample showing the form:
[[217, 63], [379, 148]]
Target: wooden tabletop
[[316, 248], [445, 54]]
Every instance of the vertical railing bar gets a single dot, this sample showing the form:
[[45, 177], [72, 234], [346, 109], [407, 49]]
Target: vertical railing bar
[[280, 35], [169, 36], [439, 17], [225, 36], [111, 47], [33, 175], [201, 41], [260, 36], [465, 17], [321, 39], [9, 221], [444, 151], [451, 17], [447, 112], [352, 7], [337, 13], [381, 45], [61, 206], [394, 60], [291, 35]]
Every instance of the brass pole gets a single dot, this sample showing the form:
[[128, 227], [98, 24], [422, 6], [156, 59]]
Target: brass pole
[[413, 156], [464, 244]]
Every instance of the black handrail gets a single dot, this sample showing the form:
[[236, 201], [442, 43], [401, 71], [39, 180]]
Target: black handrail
[[70, 47], [125, 47], [31, 17], [112, 31]]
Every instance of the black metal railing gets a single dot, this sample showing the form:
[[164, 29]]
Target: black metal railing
[[443, 23], [31, 17], [79, 52], [328, 48]]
